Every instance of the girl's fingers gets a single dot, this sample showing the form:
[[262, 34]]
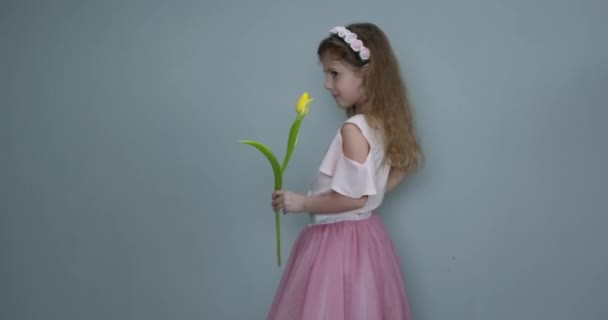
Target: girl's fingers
[[278, 200], [276, 203]]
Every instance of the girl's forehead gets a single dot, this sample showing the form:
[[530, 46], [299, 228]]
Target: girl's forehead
[[329, 63]]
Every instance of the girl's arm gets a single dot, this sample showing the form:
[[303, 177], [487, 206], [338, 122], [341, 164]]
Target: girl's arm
[[356, 148], [332, 202]]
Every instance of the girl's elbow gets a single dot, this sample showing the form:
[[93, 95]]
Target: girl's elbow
[[350, 203], [360, 202]]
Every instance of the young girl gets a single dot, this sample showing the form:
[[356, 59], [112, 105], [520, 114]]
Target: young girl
[[343, 266]]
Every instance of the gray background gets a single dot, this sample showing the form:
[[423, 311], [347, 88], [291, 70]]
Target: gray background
[[123, 191]]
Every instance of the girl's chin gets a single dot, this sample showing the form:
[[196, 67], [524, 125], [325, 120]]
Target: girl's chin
[[341, 103]]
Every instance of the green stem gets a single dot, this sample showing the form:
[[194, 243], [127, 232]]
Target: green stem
[[292, 141], [278, 233], [279, 169]]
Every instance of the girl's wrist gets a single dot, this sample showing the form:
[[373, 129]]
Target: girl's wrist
[[306, 203]]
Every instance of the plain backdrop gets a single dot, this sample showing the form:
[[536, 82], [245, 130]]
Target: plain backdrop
[[125, 194]]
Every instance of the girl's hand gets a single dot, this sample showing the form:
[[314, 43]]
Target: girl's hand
[[288, 201]]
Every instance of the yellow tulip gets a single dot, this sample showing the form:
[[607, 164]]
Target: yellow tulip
[[303, 104], [279, 168]]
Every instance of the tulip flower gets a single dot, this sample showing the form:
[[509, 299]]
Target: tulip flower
[[302, 107], [303, 104]]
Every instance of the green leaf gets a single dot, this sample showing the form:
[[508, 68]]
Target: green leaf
[[276, 167], [278, 181]]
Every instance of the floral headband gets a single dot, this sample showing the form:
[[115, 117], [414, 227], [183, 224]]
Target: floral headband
[[354, 43]]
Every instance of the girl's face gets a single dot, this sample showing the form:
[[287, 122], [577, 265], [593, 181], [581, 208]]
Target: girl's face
[[344, 82]]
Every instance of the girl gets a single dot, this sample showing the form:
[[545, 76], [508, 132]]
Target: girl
[[343, 266]]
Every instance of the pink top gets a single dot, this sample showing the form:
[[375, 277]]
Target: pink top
[[350, 178]]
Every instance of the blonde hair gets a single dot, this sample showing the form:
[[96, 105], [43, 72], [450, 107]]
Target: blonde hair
[[386, 103]]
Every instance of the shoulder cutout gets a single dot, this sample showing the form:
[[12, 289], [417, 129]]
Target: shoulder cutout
[[354, 144]]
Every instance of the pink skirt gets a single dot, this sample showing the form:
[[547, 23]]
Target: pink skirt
[[342, 271]]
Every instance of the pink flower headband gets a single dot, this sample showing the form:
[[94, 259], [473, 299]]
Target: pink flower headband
[[354, 43]]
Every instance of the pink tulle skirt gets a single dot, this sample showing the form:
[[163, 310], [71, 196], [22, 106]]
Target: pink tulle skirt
[[342, 271]]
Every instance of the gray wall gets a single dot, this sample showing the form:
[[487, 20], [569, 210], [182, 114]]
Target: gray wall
[[123, 195]]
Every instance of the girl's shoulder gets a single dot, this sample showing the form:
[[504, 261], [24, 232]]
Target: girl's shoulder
[[362, 123], [357, 119]]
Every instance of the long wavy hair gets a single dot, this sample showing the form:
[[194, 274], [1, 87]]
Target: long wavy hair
[[386, 105]]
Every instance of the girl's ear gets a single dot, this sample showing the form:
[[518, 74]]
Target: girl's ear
[[365, 69], [362, 71]]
